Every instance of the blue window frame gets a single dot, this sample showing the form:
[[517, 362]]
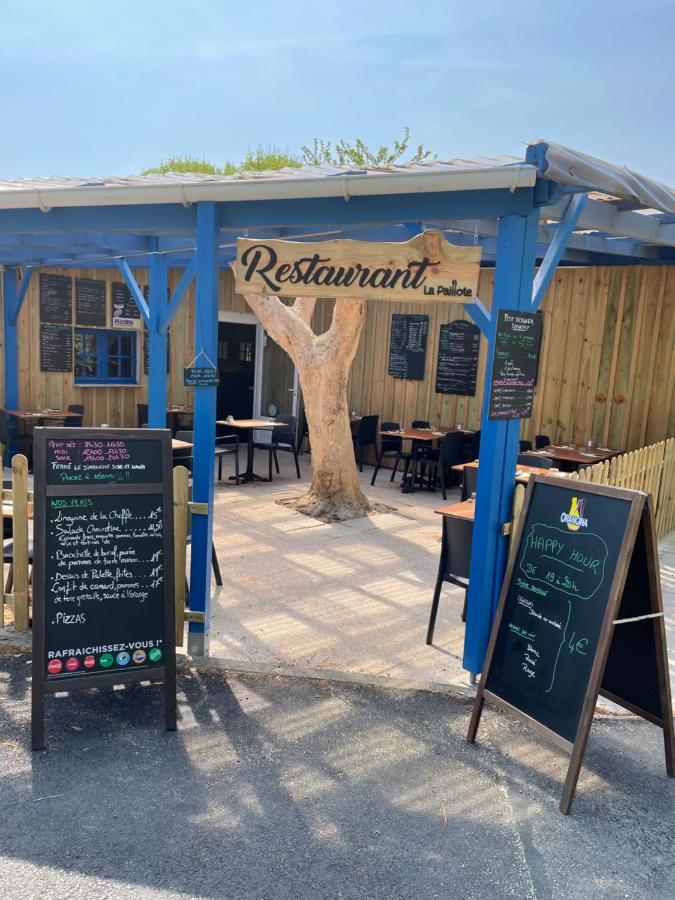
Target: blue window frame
[[105, 357]]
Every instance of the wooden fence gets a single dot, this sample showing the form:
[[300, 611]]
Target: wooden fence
[[650, 469], [17, 504]]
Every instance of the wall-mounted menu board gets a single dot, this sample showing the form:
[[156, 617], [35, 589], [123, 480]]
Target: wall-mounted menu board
[[103, 562], [581, 588], [90, 302], [123, 305], [56, 299], [457, 368], [56, 348], [408, 346], [515, 364]]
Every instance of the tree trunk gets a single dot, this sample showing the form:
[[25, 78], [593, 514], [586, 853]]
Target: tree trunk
[[323, 363]]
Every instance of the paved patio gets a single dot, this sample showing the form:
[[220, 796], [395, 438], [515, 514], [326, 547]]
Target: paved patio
[[350, 598]]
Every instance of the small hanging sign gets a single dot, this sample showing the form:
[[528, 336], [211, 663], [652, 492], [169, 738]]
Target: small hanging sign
[[201, 376]]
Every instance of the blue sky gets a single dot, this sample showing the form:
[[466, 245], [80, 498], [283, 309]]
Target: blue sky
[[102, 88]]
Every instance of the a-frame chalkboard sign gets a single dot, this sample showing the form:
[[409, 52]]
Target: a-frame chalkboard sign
[[580, 614], [103, 598]]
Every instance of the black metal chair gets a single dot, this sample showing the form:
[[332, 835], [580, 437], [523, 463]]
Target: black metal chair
[[525, 446], [391, 447], [214, 556], [282, 439], [303, 432], [421, 450], [74, 421], [469, 481], [454, 564], [366, 436], [226, 445], [142, 414], [541, 441], [475, 445], [12, 439], [448, 455], [532, 459]]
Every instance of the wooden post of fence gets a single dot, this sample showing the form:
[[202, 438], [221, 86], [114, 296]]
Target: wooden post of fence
[[20, 541], [180, 521]]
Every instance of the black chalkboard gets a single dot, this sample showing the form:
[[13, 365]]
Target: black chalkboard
[[103, 562], [408, 346], [457, 367], [580, 614], [515, 364], [123, 304], [56, 299], [56, 348], [201, 376], [90, 305], [556, 603]]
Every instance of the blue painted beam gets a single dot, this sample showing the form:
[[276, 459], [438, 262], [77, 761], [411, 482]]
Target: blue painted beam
[[481, 316], [556, 248], [134, 290], [20, 294], [157, 342], [207, 278], [498, 446], [179, 293], [10, 303]]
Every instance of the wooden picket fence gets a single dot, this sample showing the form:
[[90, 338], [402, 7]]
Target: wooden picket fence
[[650, 469], [17, 503]]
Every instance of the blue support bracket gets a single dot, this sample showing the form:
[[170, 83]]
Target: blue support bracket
[[177, 296], [516, 249], [21, 293], [135, 291], [207, 276], [481, 316], [10, 312], [158, 345], [557, 247]]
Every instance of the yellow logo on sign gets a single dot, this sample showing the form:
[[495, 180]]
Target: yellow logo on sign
[[575, 518]]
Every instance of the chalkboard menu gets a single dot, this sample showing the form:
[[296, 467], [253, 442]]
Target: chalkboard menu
[[123, 304], [408, 346], [56, 299], [56, 348], [515, 364], [579, 615], [458, 346], [103, 599], [90, 305]]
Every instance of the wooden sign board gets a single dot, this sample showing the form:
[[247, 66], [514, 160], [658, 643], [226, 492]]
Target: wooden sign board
[[56, 299], [422, 270], [580, 614], [56, 348], [201, 376], [103, 599], [515, 364]]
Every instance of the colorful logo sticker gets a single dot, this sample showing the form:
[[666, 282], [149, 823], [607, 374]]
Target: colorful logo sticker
[[155, 654], [89, 662], [139, 656], [106, 660], [72, 663], [54, 666], [122, 658]]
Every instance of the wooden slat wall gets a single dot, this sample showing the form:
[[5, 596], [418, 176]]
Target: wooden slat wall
[[607, 364]]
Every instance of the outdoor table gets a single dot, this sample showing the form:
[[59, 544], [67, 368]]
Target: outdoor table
[[464, 510], [179, 445], [176, 411], [576, 454], [522, 472], [35, 415], [428, 435], [249, 425]]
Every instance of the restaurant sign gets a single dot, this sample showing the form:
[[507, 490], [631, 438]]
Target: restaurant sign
[[424, 269]]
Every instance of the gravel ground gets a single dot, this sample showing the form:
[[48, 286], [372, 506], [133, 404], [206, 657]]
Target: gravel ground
[[290, 788]]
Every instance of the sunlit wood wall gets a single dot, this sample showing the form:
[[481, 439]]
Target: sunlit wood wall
[[607, 365]]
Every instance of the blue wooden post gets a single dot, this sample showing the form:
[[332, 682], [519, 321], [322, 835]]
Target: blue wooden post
[[516, 248], [206, 338], [9, 303], [157, 341]]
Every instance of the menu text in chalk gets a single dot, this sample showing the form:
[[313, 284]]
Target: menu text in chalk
[[103, 562], [515, 364], [457, 366], [408, 346]]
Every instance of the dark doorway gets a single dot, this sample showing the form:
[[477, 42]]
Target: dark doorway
[[236, 364]]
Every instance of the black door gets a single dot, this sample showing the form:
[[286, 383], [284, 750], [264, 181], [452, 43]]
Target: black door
[[236, 364]]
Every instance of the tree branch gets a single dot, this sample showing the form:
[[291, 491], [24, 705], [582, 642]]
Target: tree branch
[[284, 325], [304, 308]]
